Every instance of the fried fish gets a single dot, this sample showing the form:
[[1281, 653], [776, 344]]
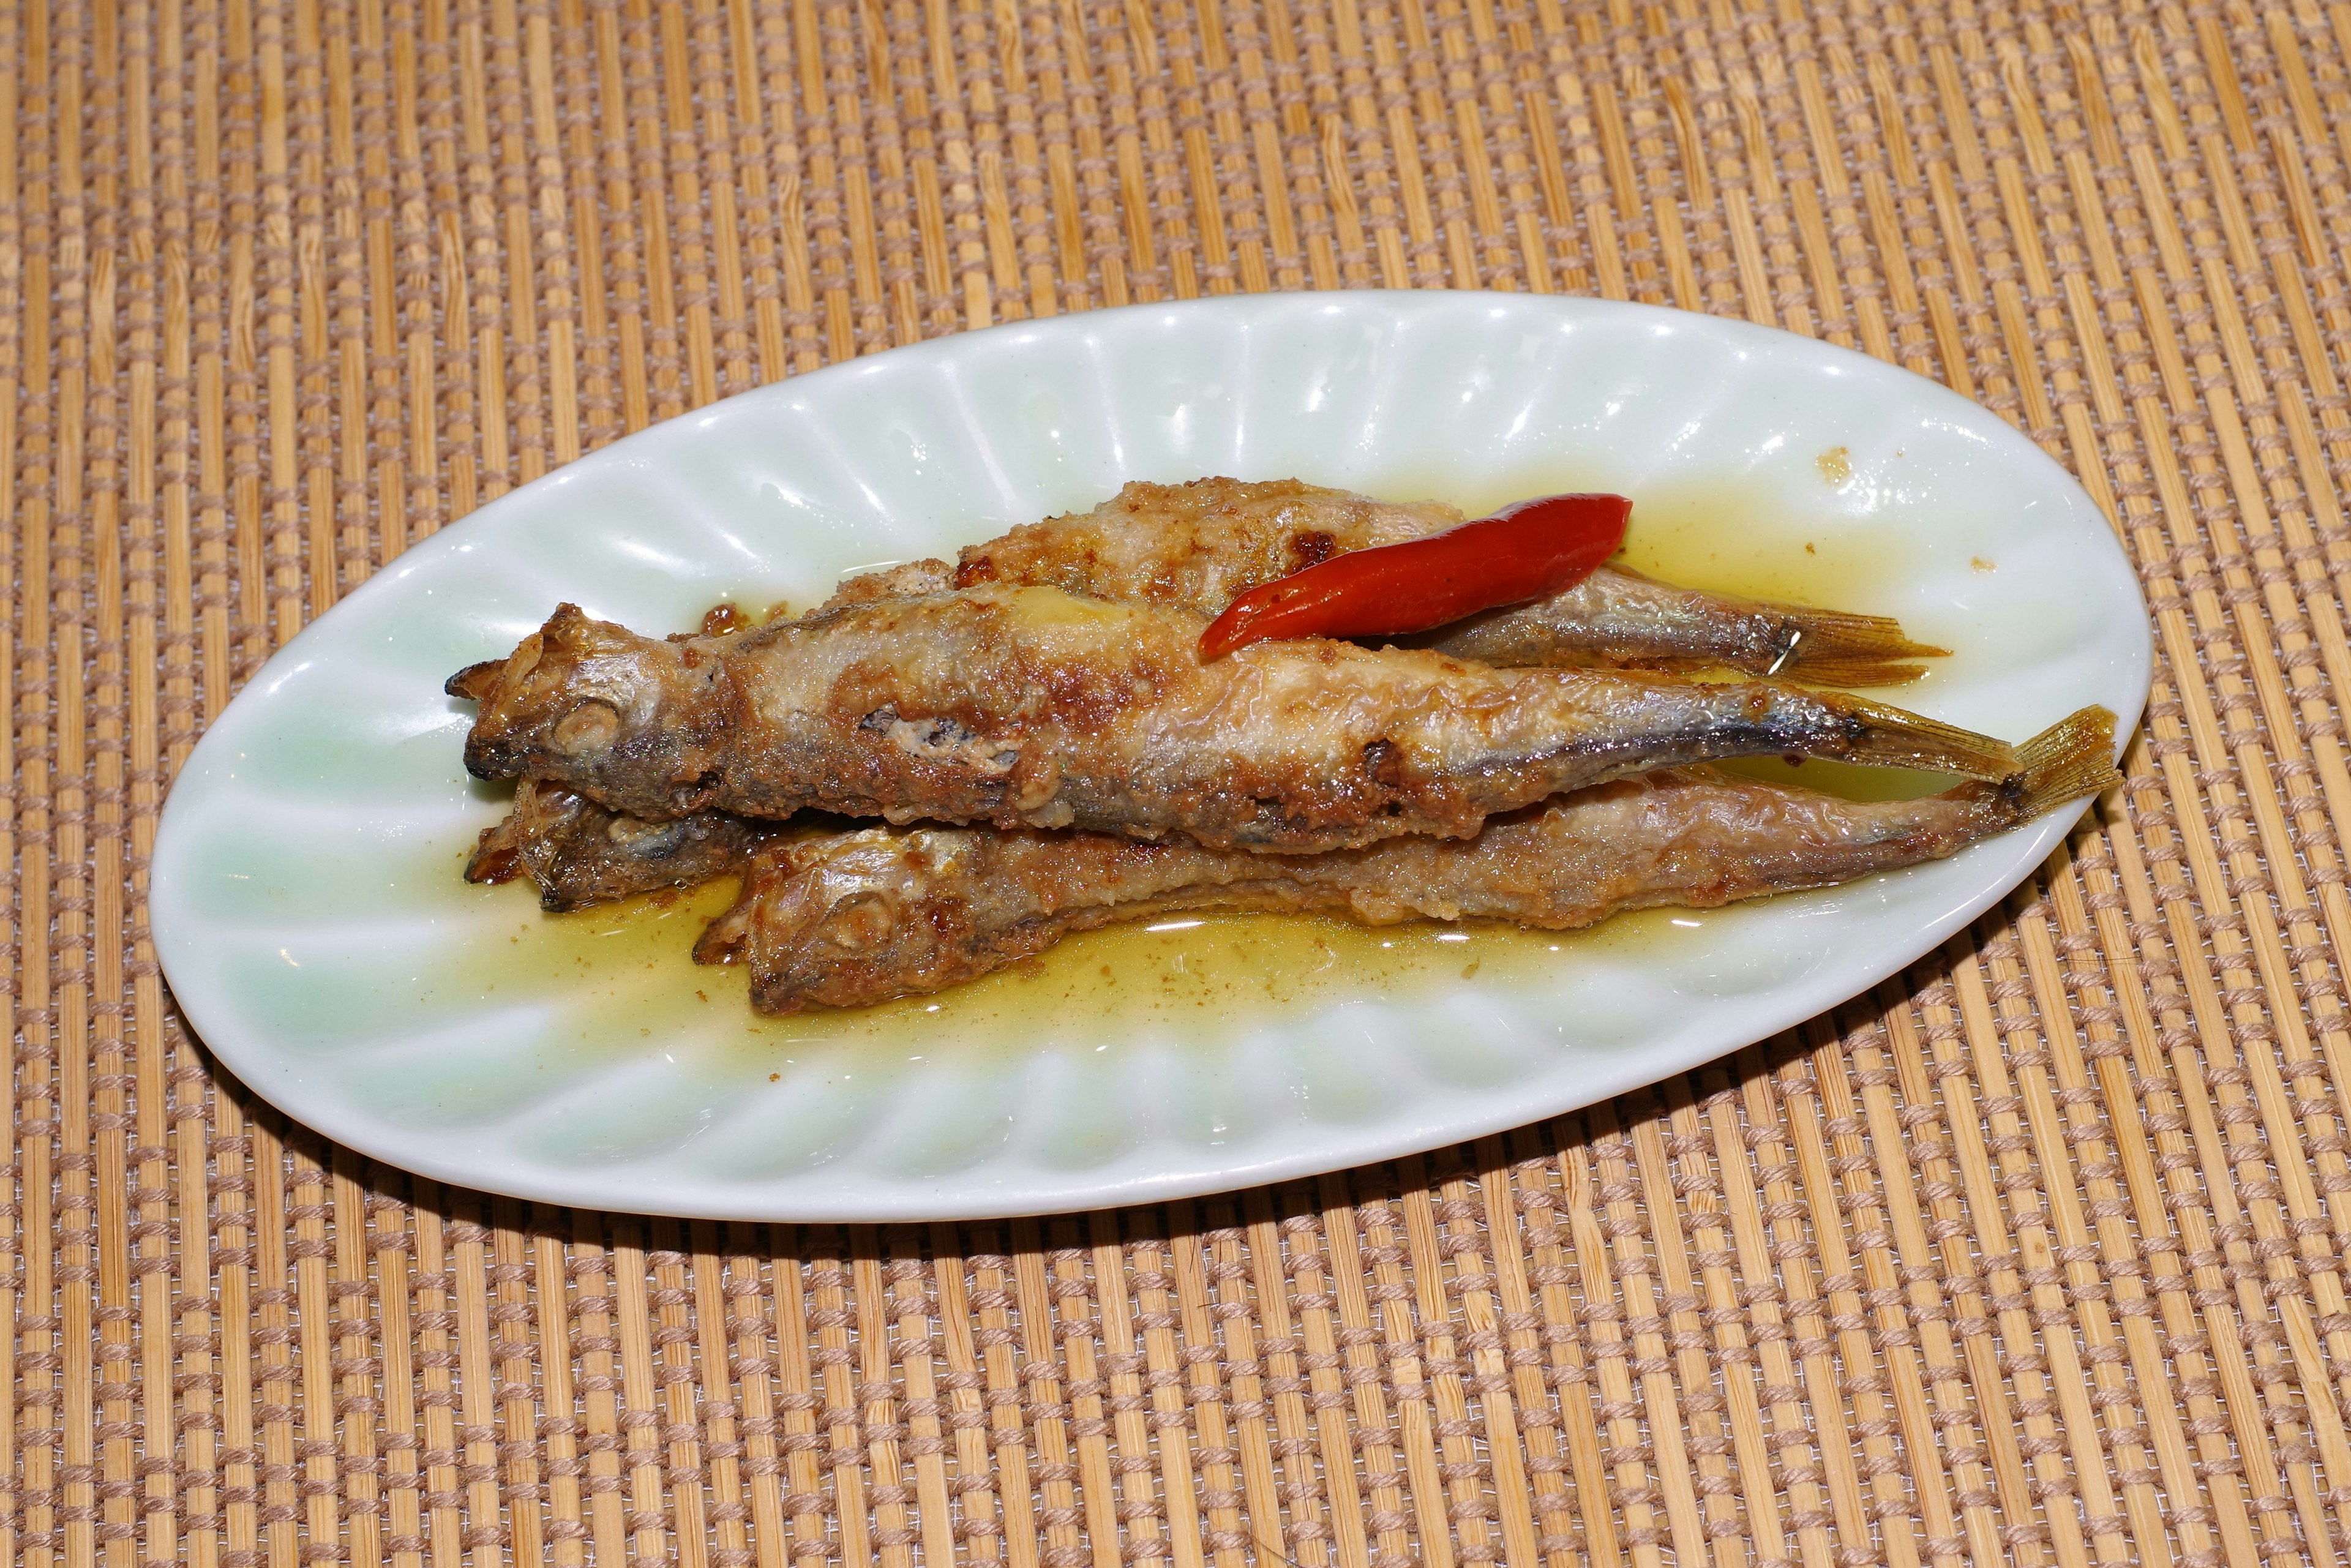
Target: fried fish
[[845, 919], [1023, 707], [1200, 546]]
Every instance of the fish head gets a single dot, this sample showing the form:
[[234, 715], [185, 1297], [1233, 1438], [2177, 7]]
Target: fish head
[[590, 704]]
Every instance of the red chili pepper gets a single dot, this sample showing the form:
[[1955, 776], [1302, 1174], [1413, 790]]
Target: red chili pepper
[[1530, 550]]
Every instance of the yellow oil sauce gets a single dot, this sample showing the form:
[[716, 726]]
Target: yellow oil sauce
[[1710, 538], [630, 962]]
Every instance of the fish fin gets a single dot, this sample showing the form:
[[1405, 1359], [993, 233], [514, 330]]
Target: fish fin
[[1879, 734], [2071, 758], [1830, 648], [725, 939], [497, 853], [474, 682]]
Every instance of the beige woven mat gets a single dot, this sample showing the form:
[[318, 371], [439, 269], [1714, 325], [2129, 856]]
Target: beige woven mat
[[2037, 1254]]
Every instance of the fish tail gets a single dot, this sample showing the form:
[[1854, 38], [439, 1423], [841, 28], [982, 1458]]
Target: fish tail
[[1830, 648], [1879, 734], [2071, 758]]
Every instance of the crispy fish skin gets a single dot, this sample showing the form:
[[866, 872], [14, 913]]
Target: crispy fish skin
[[1202, 544], [852, 918], [1031, 708], [577, 853]]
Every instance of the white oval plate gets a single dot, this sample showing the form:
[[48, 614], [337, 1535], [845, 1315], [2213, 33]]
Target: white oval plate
[[309, 916]]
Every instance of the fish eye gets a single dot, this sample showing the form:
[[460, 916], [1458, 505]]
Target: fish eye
[[591, 726]]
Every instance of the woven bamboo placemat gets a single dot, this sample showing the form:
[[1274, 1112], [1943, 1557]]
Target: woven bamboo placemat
[[2037, 1253]]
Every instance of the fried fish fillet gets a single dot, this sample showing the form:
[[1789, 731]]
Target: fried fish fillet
[[845, 919], [1200, 546], [1033, 707]]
